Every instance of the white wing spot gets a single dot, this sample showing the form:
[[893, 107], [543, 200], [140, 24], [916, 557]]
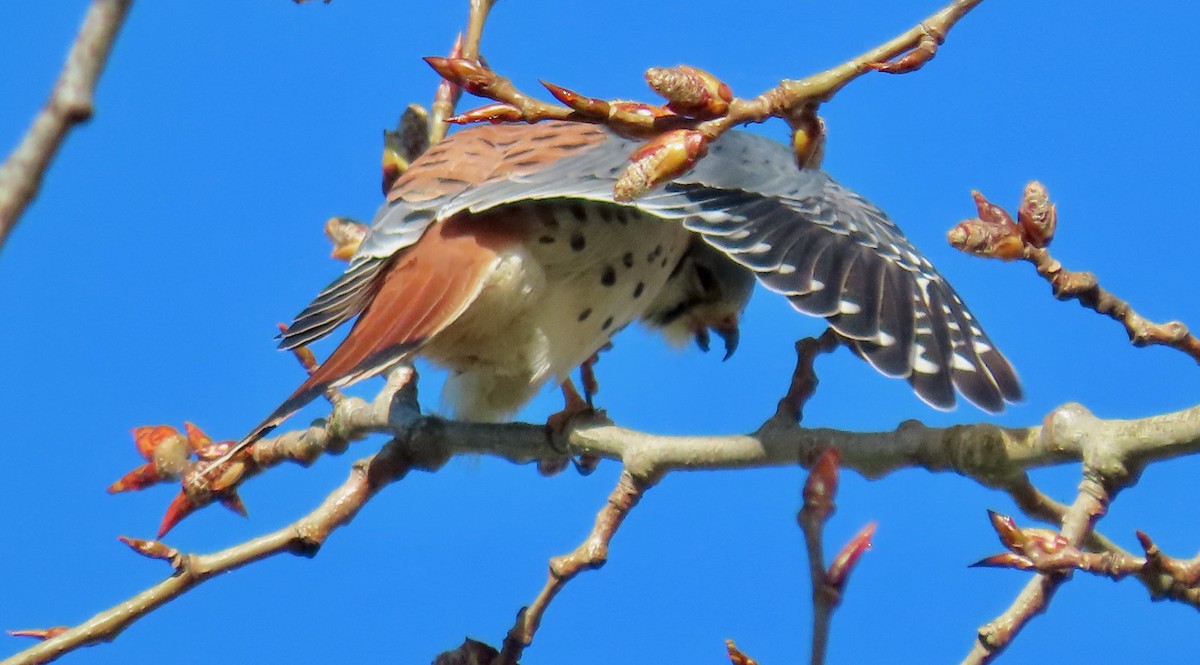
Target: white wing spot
[[923, 284], [982, 347], [847, 307], [713, 216], [959, 362], [885, 339], [920, 363], [738, 235], [786, 269], [816, 285]]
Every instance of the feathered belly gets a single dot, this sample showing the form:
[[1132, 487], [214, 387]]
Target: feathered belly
[[585, 272]]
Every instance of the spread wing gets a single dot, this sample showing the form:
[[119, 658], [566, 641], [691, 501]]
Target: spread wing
[[830, 252]]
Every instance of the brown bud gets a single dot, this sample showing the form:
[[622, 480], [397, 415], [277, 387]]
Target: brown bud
[[736, 657], [989, 212], [843, 564], [303, 354], [149, 548], [913, 60], [346, 235], [1037, 215], [149, 438], [690, 91], [181, 506], [1007, 529], [667, 156], [233, 501], [1043, 541], [586, 106], [493, 113], [140, 478], [980, 238], [820, 489], [472, 75], [1004, 560], [196, 437], [40, 633]]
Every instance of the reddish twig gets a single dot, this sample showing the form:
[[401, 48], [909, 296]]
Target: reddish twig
[[70, 104], [828, 582], [804, 377]]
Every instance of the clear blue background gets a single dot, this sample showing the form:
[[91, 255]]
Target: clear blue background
[[178, 227]]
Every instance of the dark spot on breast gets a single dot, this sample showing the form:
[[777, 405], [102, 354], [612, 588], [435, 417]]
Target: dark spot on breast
[[578, 212], [606, 213], [547, 216], [609, 276], [578, 242], [607, 324], [546, 240], [664, 262], [585, 313], [627, 260], [655, 254], [637, 290], [622, 217]]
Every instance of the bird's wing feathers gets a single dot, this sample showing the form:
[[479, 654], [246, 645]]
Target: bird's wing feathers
[[416, 295], [831, 252]]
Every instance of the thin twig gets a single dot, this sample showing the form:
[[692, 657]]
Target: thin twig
[[1085, 288], [804, 378], [70, 104], [591, 554], [995, 234]]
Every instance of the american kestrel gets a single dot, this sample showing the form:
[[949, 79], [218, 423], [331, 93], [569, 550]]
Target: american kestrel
[[502, 256]]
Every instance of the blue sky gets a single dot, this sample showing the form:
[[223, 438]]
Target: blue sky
[[178, 227]]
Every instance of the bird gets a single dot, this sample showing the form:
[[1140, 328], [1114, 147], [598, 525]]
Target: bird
[[502, 255]]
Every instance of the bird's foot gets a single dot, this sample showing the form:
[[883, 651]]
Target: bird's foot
[[557, 424]]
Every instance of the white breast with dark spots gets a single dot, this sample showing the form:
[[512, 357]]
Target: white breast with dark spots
[[585, 271]]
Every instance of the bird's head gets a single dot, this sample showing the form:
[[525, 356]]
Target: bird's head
[[706, 292]]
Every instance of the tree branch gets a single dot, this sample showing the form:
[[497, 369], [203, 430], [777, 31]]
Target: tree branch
[[70, 104], [995, 235], [986, 453], [700, 106]]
